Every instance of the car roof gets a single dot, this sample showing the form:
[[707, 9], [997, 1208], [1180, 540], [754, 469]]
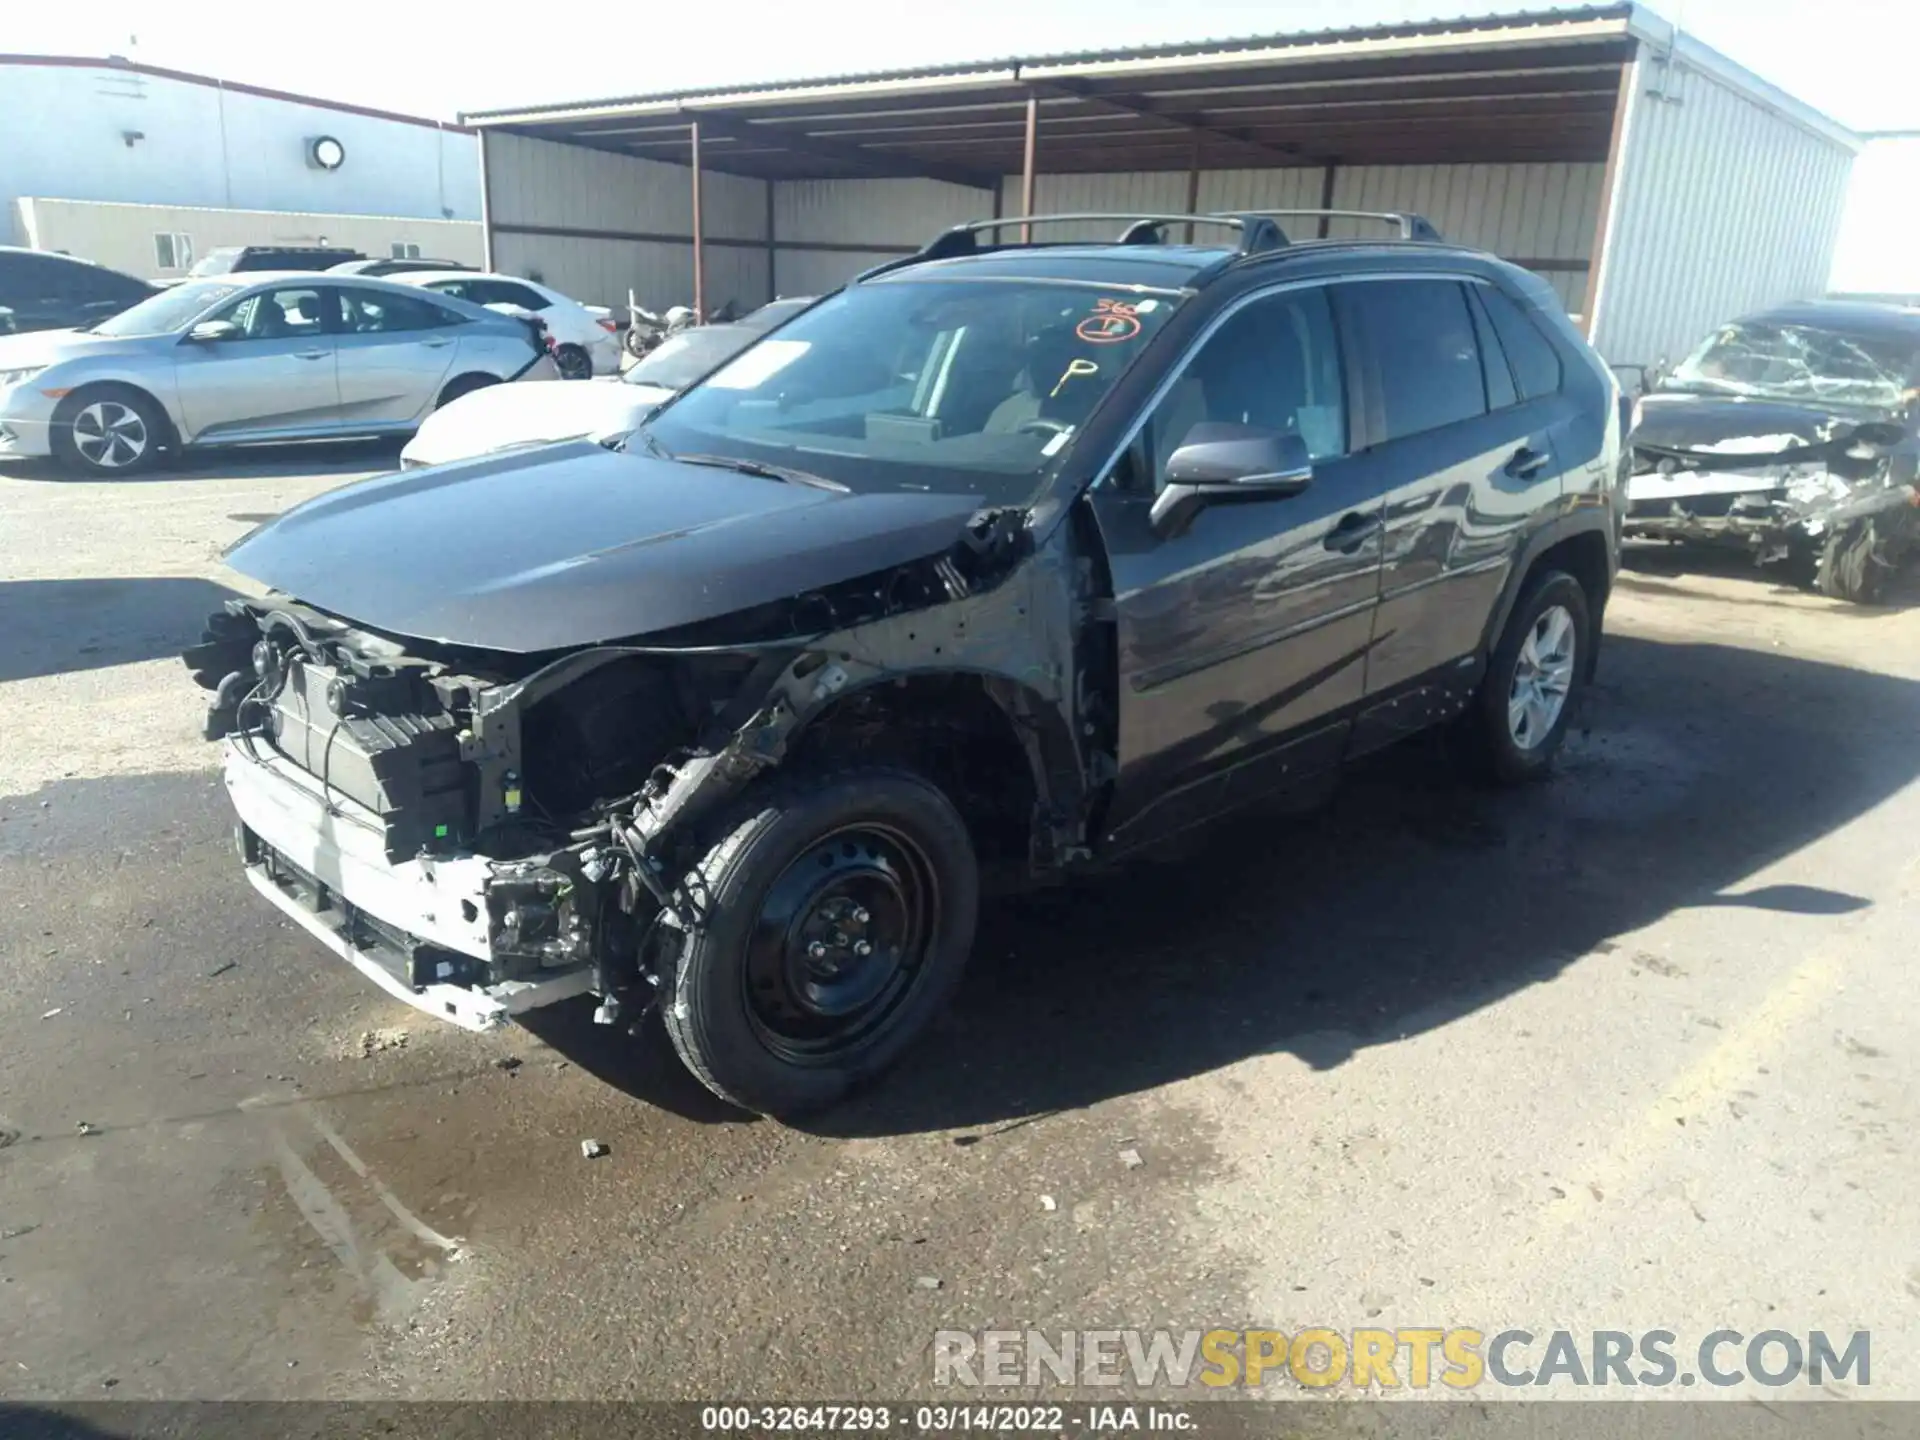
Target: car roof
[[1175, 267], [1856, 317], [420, 277]]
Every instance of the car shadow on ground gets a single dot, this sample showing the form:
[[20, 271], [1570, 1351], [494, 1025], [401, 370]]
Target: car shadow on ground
[[1654, 566], [1414, 898], [50, 627], [241, 462]]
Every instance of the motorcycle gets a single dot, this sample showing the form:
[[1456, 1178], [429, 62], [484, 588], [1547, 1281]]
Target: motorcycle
[[645, 330]]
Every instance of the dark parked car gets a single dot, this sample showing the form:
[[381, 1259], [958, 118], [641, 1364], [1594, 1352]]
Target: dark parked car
[[1793, 434], [44, 291], [393, 266], [233, 259], [1001, 562]]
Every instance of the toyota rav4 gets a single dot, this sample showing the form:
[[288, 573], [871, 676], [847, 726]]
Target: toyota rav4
[[1003, 561]]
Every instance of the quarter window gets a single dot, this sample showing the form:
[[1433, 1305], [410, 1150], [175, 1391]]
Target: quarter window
[[1426, 361], [505, 292], [1274, 365], [1536, 364]]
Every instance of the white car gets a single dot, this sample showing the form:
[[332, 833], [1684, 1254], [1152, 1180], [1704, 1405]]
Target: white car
[[586, 342], [515, 416]]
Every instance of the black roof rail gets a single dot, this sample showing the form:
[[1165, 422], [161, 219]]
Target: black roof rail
[[1412, 226], [1257, 232]]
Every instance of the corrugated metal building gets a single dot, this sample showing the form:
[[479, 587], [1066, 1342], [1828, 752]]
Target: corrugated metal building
[[1657, 185], [84, 139]]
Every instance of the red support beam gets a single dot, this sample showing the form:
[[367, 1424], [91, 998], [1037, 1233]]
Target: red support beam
[[699, 234], [1026, 172]]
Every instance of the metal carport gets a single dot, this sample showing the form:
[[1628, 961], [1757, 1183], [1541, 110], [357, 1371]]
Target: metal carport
[[1594, 145]]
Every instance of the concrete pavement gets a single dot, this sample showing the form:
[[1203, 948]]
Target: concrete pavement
[[1633, 1050]]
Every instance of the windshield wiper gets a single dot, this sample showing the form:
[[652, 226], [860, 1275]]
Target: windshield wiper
[[755, 467]]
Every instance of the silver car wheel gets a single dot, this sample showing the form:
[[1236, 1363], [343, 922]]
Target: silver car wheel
[[1542, 677], [110, 435]]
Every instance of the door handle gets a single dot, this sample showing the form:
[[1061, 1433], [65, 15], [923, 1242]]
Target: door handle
[[1527, 462], [436, 344], [1353, 531], [311, 354]]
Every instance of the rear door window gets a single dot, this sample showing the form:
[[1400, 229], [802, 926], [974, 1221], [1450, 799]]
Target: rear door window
[[1501, 391], [1424, 354], [505, 292], [369, 312]]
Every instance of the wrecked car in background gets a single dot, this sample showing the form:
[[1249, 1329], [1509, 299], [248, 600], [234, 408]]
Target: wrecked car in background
[[1791, 434], [1004, 560]]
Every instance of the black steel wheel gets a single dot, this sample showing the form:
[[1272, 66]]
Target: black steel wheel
[[837, 912], [573, 362]]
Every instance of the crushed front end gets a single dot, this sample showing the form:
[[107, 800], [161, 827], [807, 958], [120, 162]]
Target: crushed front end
[[484, 832], [1780, 496]]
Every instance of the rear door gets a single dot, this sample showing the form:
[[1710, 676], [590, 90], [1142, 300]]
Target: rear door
[[1463, 463], [276, 377], [396, 350], [1243, 640]]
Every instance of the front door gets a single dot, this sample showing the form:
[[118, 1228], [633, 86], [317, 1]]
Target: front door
[[273, 377], [1243, 640], [395, 352]]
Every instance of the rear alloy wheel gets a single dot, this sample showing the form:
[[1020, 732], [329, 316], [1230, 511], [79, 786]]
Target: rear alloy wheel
[[110, 433], [574, 363], [1517, 722], [837, 912]]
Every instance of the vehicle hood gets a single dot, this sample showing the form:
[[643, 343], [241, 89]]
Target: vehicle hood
[[574, 544], [1713, 431], [50, 347]]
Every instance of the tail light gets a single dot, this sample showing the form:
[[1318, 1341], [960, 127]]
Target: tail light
[[610, 327]]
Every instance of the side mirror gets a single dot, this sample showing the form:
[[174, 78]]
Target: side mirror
[[1224, 464], [209, 331]]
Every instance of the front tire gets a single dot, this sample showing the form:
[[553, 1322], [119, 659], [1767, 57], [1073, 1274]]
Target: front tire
[[464, 385], [836, 913], [1518, 720], [574, 363], [1861, 557], [108, 432]]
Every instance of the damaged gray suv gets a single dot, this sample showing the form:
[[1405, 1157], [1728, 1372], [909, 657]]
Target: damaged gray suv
[[1000, 563]]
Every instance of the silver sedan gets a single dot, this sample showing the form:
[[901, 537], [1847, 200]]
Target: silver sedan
[[239, 360]]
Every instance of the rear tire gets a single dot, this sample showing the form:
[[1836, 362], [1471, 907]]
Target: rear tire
[[107, 432], [1518, 719], [463, 385], [775, 1005], [574, 363]]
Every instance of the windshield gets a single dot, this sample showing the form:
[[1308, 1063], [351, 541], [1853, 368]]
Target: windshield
[[167, 311], [679, 360], [215, 262], [1794, 362], [962, 386]]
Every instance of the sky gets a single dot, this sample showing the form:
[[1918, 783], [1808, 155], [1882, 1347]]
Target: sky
[[1852, 58]]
